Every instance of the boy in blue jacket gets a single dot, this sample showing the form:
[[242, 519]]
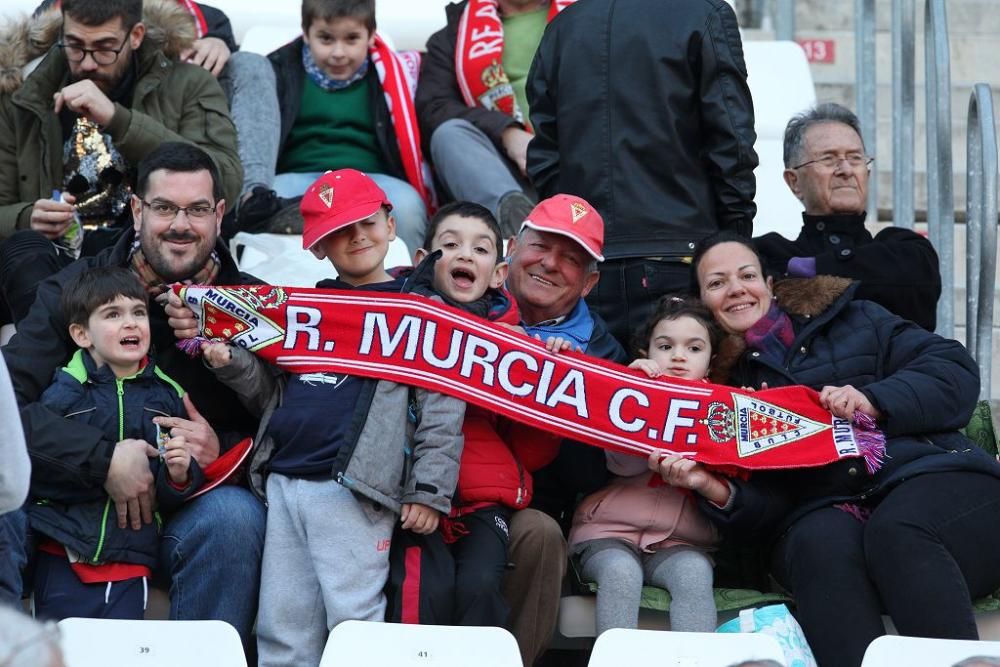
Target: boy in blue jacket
[[89, 564]]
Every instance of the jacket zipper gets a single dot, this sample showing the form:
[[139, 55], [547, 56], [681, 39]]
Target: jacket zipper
[[107, 503]]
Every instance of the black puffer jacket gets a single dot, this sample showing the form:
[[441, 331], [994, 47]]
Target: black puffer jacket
[[925, 387], [642, 107]]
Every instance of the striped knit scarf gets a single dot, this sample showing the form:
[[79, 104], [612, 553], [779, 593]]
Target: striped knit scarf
[[155, 285], [397, 72], [479, 57]]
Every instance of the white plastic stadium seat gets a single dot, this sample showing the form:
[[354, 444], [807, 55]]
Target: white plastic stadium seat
[[892, 650], [91, 642], [676, 649], [278, 259], [263, 39], [782, 86], [367, 643]]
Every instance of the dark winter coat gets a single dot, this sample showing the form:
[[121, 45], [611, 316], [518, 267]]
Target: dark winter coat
[[924, 386], [897, 269], [642, 107], [121, 408]]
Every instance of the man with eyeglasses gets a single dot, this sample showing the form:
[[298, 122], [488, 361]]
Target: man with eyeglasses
[[827, 168], [72, 134], [211, 549]]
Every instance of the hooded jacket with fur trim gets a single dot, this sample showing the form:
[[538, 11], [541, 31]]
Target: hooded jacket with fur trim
[[924, 386], [172, 102]]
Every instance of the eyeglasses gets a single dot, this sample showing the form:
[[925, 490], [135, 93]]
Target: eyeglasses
[[167, 211], [854, 160], [77, 54]]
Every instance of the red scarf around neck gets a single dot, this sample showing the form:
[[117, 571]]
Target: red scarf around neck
[[397, 72], [479, 57], [415, 341]]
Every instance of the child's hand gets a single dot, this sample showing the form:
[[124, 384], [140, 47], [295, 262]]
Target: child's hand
[[648, 366], [421, 519], [217, 354], [178, 460], [685, 473], [556, 344], [843, 401]]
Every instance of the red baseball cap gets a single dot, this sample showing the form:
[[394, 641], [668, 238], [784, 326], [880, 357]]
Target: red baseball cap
[[338, 199], [570, 216]]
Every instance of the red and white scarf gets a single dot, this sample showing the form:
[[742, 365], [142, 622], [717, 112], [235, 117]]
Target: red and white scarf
[[415, 341], [479, 57], [397, 72]]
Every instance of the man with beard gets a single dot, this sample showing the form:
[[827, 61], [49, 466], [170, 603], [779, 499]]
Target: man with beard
[[71, 136], [211, 548]]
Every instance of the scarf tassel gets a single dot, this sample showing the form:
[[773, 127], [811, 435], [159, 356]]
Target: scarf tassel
[[192, 346], [871, 441]]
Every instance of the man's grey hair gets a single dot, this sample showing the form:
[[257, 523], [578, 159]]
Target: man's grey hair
[[979, 661], [795, 131]]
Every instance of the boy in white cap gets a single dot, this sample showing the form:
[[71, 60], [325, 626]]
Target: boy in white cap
[[335, 449]]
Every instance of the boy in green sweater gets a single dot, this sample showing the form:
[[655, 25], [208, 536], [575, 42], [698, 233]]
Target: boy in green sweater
[[346, 101]]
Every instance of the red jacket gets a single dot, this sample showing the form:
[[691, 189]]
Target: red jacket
[[499, 454]]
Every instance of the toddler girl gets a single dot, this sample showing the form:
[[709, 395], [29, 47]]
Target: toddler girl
[[639, 529]]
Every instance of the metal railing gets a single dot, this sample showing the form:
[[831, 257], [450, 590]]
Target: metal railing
[[940, 189], [981, 232], [866, 90], [903, 103], [784, 20]]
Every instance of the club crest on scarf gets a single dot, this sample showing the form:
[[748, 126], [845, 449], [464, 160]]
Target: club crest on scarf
[[412, 340], [758, 426], [237, 314]]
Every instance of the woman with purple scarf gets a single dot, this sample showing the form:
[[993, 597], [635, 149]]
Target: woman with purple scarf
[[914, 535]]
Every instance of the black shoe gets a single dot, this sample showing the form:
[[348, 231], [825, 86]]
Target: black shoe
[[512, 209], [288, 218], [254, 214]]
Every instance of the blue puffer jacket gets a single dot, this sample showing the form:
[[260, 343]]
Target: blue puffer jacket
[[925, 387], [123, 409]]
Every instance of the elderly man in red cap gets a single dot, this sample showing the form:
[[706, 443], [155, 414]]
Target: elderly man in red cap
[[553, 266]]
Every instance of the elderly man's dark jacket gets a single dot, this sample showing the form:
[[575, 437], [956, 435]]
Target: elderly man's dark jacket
[[897, 269], [70, 460]]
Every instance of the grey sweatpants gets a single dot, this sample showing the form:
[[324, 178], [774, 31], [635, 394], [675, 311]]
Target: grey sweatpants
[[325, 561], [620, 569], [249, 84]]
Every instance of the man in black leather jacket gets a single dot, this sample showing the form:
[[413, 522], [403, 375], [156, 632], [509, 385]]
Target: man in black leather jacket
[[642, 107]]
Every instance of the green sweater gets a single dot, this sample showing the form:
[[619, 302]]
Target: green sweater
[[335, 129], [521, 35]]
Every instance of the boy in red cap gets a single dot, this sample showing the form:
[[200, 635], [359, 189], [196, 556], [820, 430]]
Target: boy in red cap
[[341, 455]]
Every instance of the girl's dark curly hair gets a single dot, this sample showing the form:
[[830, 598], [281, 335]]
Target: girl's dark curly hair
[[672, 307]]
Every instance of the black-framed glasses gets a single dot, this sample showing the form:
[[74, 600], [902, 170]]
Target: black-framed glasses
[[77, 54], [167, 211], [854, 160]]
